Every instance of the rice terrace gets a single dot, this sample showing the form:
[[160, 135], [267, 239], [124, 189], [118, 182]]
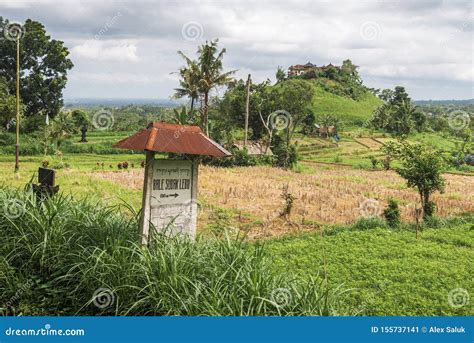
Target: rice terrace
[[308, 191]]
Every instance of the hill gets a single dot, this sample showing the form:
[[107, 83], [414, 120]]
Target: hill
[[346, 108]]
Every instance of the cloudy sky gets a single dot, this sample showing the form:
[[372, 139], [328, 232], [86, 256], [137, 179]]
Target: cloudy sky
[[128, 48]]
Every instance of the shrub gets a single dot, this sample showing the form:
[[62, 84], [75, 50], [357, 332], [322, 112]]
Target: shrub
[[374, 162], [66, 250], [286, 156], [429, 209], [392, 214]]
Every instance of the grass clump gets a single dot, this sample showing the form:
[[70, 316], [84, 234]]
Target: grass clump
[[79, 257]]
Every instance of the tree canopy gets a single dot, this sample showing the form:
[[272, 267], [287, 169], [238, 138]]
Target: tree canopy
[[421, 167], [44, 64]]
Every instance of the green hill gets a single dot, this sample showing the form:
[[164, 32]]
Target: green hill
[[349, 110]]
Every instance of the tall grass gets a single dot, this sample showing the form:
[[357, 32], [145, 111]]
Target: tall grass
[[64, 250]]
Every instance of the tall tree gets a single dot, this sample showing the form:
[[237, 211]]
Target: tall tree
[[44, 65], [210, 65], [190, 80]]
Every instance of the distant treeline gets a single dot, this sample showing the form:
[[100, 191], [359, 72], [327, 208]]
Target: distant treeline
[[444, 102]]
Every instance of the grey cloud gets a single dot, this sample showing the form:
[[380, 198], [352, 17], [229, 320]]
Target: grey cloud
[[419, 44]]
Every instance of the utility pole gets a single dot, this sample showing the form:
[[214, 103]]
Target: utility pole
[[247, 108], [17, 124]]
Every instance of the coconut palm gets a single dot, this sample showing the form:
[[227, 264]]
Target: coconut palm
[[210, 65], [189, 82]]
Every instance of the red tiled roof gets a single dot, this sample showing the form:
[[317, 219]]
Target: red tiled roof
[[173, 138]]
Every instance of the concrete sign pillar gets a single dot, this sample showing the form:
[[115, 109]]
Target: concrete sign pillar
[[169, 197]]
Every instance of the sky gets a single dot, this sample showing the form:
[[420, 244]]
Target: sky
[[128, 49]]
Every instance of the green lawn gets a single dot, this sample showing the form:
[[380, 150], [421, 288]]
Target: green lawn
[[76, 179], [389, 272]]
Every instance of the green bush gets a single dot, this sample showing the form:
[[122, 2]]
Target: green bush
[[285, 156], [59, 253], [392, 214]]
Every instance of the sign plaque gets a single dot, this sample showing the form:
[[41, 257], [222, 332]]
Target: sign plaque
[[171, 197]]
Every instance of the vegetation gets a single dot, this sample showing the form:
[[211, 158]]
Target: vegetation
[[397, 115], [201, 76], [421, 167], [390, 272], [65, 250], [44, 66], [392, 214]]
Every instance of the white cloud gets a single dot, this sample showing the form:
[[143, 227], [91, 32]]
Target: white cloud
[[417, 44], [107, 51]]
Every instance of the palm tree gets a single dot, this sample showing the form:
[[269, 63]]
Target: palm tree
[[189, 83], [211, 76], [403, 120]]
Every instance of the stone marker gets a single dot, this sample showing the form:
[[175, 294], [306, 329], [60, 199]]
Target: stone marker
[[169, 203]]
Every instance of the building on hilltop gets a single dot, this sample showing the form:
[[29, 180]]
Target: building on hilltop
[[299, 69]]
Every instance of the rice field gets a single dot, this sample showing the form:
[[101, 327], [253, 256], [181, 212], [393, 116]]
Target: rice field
[[323, 195]]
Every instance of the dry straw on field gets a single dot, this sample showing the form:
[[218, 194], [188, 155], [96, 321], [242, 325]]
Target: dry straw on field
[[327, 195]]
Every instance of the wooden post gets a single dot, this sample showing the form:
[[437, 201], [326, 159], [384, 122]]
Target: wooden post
[[247, 109], [17, 124], [146, 200]]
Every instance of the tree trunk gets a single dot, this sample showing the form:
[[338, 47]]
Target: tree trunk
[[206, 113], [83, 135], [192, 104], [247, 107]]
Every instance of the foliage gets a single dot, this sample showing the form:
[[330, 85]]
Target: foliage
[[189, 81], [329, 120], [183, 116], [239, 158], [66, 250], [44, 66], [397, 115], [421, 167], [391, 213], [391, 272], [203, 75], [81, 123], [308, 123], [280, 74], [61, 127], [286, 155], [7, 105]]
